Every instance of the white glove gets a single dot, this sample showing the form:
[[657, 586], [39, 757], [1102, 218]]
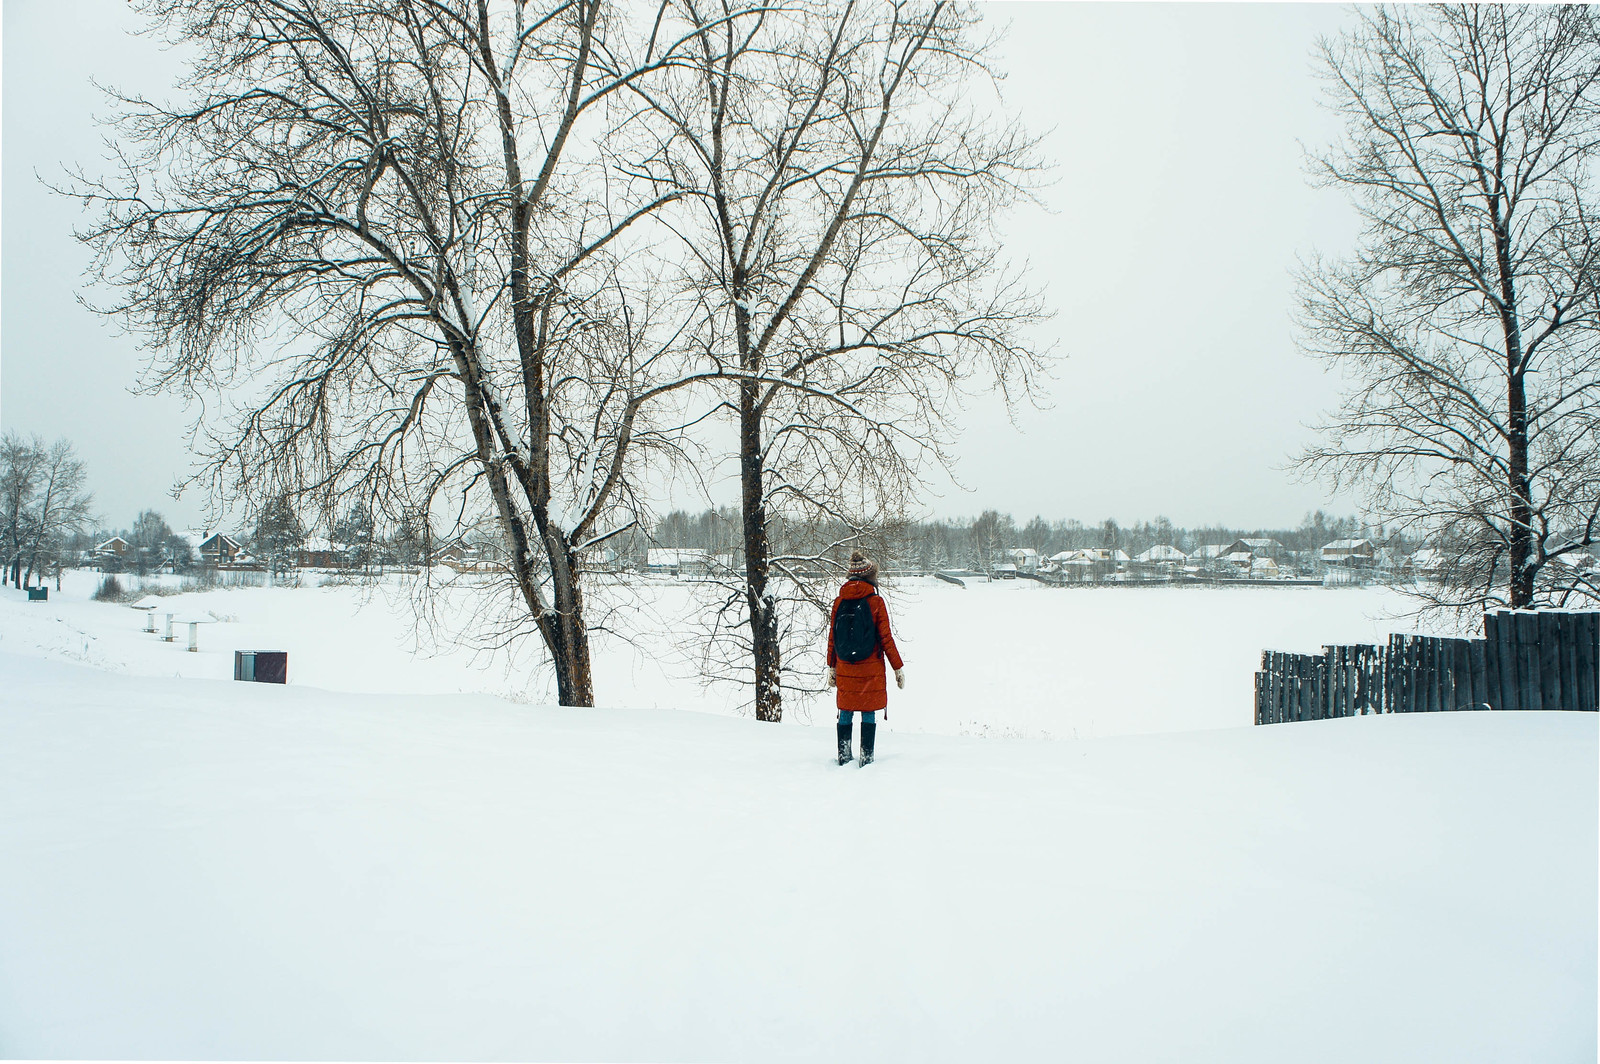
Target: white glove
[[900, 678], [833, 679]]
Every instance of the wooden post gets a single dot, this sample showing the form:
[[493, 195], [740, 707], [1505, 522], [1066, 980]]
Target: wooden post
[[1424, 683], [1347, 681], [1527, 624], [1461, 675], [1280, 679], [1371, 680], [1491, 661], [1437, 674], [1550, 693], [1586, 659], [1380, 673], [1571, 625], [1272, 685], [1476, 649], [1302, 707], [1261, 690], [1391, 676], [1506, 641]]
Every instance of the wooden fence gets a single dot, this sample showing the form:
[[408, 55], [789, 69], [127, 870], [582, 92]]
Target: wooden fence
[[1527, 660]]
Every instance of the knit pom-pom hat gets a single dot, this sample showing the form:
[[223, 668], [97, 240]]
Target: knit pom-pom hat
[[863, 567]]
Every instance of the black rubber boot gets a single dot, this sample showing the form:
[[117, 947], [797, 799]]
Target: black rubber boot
[[844, 743], [869, 735]]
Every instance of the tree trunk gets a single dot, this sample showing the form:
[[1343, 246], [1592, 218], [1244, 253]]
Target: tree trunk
[[565, 634], [1521, 511], [763, 620], [1521, 502]]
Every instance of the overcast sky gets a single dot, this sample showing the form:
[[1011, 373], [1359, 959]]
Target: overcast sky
[[1165, 245]]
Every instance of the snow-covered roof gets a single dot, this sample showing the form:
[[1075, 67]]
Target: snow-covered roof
[[1347, 545], [1161, 553], [670, 556], [1100, 554]]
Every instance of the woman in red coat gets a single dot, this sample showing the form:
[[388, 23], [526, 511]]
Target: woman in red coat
[[862, 683]]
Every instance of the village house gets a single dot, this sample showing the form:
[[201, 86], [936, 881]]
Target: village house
[[1256, 548], [1350, 552], [680, 561], [320, 553], [115, 547], [1237, 563], [1162, 555], [1089, 563], [1021, 559], [219, 549], [1428, 563]]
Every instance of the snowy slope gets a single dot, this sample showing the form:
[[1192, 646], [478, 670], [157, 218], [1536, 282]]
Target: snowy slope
[[194, 868]]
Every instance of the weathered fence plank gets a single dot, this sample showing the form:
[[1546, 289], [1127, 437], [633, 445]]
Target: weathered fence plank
[[1586, 660], [1477, 651], [1491, 662], [1527, 625], [1549, 660]]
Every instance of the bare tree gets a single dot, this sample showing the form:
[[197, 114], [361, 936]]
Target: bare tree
[[393, 233], [21, 463], [44, 502], [834, 198], [1467, 325]]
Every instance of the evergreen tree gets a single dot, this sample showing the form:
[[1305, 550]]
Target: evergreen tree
[[279, 535]]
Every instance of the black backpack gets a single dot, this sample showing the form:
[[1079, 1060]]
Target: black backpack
[[855, 633]]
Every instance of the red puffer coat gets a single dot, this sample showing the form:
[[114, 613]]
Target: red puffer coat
[[862, 686]]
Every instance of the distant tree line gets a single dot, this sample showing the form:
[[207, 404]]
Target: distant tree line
[[972, 542]]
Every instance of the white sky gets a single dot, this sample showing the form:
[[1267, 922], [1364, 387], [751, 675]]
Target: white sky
[[1166, 245]]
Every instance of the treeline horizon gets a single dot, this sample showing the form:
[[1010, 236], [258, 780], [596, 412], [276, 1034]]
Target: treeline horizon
[[717, 530], [960, 541]]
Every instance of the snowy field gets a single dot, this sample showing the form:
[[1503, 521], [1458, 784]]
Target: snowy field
[[1009, 658], [384, 860]]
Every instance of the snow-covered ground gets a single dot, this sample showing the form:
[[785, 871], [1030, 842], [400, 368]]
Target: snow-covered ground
[[363, 865], [1007, 658]]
